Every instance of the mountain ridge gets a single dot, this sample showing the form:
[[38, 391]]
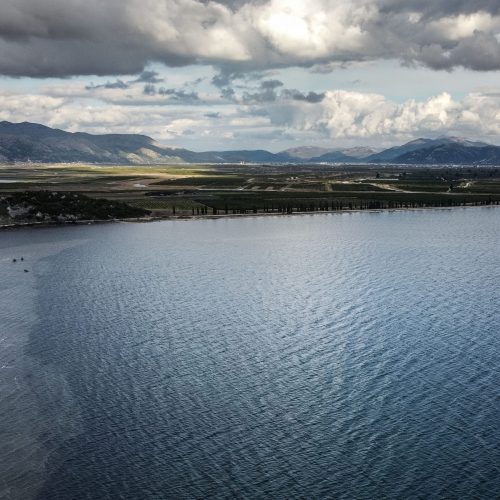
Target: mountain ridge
[[33, 142]]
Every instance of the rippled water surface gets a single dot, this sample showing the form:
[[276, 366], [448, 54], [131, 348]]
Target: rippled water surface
[[337, 356]]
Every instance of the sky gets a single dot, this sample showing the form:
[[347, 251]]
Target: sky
[[255, 74]]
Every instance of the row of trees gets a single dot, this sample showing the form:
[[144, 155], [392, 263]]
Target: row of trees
[[333, 206]]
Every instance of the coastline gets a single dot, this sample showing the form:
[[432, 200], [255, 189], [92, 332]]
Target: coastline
[[40, 225]]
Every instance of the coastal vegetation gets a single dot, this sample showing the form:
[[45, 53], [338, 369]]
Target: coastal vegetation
[[46, 206]]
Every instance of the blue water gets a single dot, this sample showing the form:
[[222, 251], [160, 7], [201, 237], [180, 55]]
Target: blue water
[[328, 356]]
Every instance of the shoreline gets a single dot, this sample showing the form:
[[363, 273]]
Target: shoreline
[[38, 225]]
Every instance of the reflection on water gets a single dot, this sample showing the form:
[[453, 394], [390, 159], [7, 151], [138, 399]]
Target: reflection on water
[[346, 356]]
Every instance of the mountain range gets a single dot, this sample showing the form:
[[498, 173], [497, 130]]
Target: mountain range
[[31, 142]]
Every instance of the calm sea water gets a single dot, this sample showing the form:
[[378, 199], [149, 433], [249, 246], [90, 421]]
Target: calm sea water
[[328, 356]]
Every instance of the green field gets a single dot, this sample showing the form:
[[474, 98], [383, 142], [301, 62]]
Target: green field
[[187, 190]]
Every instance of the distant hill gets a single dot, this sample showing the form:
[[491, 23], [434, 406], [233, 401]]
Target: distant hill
[[335, 157], [453, 154], [25, 142], [445, 150], [347, 155], [358, 152], [33, 142], [316, 154], [305, 152], [249, 156]]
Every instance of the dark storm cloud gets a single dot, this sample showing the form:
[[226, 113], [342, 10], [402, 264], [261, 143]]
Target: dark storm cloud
[[481, 52], [265, 93], [118, 84], [58, 38], [178, 95], [438, 8], [196, 81], [227, 93], [271, 84], [268, 93], [228, 74], [222, 80], [311, 97], [149, 89], [148, 77]]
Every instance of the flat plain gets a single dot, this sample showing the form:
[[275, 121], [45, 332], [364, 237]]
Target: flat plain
[[196, 190]]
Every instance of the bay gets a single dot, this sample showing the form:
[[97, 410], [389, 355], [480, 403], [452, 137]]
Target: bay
[[328, 356]]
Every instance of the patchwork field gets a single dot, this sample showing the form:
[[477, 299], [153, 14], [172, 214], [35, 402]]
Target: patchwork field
[[233, 189]]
